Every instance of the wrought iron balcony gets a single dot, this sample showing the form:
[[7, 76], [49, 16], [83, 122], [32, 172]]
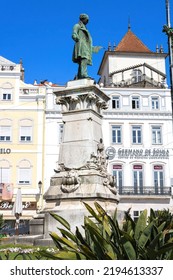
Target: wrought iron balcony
[[144, 190]]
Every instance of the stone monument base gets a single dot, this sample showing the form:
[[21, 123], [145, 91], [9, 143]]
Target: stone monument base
[[81, 175], [67, 200]]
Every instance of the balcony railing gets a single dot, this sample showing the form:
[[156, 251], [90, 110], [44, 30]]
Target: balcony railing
[[143, 190]]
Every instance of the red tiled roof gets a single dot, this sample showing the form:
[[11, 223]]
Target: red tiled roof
[[47, 83], [131, 43]]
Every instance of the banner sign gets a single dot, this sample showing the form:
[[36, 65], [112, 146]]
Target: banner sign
[[7, 192], [120, 153], [27, 205]]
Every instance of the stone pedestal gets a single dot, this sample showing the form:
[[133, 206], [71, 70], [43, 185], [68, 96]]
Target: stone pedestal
[[82, 130], [82, 171]]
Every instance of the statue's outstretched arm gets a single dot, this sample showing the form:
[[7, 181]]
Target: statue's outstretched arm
[[95, 49]]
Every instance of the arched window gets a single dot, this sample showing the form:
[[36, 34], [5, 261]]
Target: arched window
[[5, 130], [155, 102], [26, 130], [4, 171], [138, 178], [24, 172], [158, 179], [7, 89], [115, 102], [117, 171], [135, 102]]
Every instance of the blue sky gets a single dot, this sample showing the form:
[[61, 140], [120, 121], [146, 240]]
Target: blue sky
[[39, 32]]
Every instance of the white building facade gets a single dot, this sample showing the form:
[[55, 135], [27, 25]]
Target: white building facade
[[137, 126]]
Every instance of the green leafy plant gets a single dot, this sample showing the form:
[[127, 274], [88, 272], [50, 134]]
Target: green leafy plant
[[23, 252], [103, 239]]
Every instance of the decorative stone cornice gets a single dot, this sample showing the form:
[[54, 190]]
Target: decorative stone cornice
[[144, 115], [85, 101]]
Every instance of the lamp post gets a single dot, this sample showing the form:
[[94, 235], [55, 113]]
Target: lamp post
[[39, 196], [169, 32], [40, 187]]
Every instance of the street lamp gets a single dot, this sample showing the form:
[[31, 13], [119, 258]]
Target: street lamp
[[38, 195], [40, 187], [169, 32]]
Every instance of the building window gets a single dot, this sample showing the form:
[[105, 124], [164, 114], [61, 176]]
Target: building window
[[6, 96], [118, 173], [158, 178], [138, 179], [24, 176], [155, 103], [116, 134], [136, 134], [115, 102], [135, 102], [24, 172], [136, 76], [156, 135], [61, 129], [5, 133], [6, 92], [4, 171], [4, 175], [25, 133]]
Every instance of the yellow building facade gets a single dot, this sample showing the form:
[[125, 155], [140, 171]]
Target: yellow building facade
[[21, 140]]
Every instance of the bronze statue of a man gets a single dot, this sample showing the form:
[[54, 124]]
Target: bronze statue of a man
[[83, 48]]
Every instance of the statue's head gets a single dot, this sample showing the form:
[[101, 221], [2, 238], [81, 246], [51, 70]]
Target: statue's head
[[84, 18]]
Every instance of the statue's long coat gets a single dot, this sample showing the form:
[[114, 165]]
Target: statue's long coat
[[83, 46]]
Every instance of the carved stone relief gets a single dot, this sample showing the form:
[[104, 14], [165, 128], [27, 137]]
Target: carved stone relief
[[110, 183], [83, 101], [70, 182]]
